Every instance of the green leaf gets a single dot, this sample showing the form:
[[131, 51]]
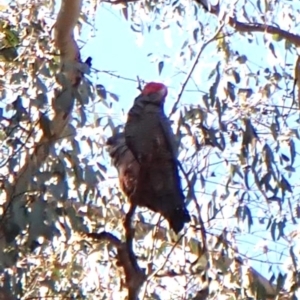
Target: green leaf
[[268, 156], [292, 150], [277, 37], [280, 282], [271, 47], [195, 34], [160, 67], [125, 13], [135, 28], [236, 76], [8, 54], [285, 158], [242, 59], [101, 91], [273, 230], [274, 130], [114, 96], [290, 169], [285, 185], [281, 225], [248, 215]]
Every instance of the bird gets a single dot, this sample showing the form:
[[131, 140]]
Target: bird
[[145, 155]]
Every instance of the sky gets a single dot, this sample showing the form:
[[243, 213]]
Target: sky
[[129, 54], [115, 50], [115, 47]]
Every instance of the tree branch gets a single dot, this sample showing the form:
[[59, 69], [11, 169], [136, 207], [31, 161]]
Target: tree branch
[[162, 234], [134, 277], [251, 27], [130, 235], [62, 104], [257, 27], [64, 39]]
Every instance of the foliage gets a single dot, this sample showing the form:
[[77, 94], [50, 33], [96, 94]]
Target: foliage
[[236, 116]]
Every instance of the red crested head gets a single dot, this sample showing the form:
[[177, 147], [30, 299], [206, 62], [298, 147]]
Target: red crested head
[[155, 87]]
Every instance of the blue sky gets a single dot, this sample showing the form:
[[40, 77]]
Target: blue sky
[[114, 48]]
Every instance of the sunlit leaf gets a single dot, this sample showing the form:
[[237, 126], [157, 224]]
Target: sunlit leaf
[[277, 37]]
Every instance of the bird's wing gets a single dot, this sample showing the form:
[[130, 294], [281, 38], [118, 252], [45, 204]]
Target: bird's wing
[[140, 127], [123, 159], [169, 135]]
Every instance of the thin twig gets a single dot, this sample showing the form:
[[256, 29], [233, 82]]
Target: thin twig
[[139, 83], [111, 73], [194, 66]]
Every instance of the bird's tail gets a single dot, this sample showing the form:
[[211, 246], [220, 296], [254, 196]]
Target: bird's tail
[[178, 218]]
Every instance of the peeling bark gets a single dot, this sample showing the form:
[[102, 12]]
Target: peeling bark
[[64, 39]]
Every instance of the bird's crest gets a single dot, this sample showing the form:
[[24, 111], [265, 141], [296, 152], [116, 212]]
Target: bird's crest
[[155, 87]]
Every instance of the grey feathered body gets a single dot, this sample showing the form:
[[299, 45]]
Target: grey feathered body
[[149, 137]]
